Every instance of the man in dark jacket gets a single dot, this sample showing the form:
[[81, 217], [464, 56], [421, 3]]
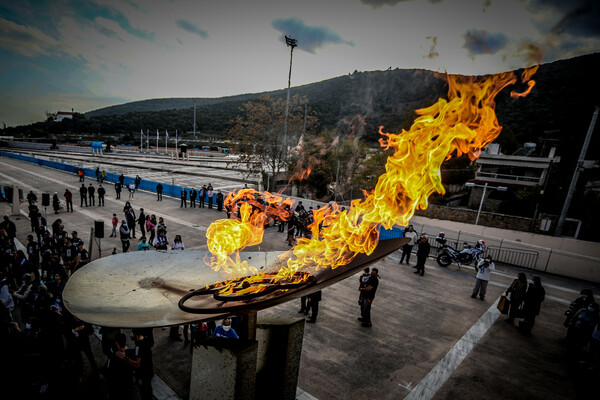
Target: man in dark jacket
[[159, 190], [69, 200], [101, 193], [422, 254], [91, 194], [313, 305], [368, 295], [183, 198], [193, 195], [118, 187], [83, 195], [532, 304]]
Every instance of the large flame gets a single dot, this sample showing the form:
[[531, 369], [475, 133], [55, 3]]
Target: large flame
[[463, 124]]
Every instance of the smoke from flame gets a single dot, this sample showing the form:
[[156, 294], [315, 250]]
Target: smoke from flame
[[463, 124]]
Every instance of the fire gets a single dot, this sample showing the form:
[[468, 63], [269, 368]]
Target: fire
[[463, 124]]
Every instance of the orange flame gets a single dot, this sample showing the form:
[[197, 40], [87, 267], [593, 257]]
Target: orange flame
[[463, 124]]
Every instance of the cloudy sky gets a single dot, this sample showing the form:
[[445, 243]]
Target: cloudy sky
[[63, 54]]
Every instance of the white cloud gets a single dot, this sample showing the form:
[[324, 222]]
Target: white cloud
[[26, 40]]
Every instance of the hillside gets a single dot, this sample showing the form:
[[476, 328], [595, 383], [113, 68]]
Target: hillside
[[561, 103]]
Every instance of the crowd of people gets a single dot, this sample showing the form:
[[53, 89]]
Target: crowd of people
[[35, 323]]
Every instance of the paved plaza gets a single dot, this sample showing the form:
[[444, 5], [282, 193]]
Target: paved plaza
[[429, 339]]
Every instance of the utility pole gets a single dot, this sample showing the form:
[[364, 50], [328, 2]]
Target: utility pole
[[289, 41], [578, 168]]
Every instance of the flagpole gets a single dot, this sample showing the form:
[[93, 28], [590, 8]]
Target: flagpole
[[148, 140], [166, 140], [141, 140], [175, 141], [157, 141]]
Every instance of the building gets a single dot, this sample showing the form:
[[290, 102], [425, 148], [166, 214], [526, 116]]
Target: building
[[527, 167], [60, 115]]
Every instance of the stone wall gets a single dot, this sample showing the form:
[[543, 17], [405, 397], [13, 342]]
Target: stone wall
[[488, 219]]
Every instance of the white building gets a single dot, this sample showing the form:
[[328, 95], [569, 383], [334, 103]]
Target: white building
[[60, 115]]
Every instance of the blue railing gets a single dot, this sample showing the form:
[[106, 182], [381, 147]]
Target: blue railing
[[168, 190]]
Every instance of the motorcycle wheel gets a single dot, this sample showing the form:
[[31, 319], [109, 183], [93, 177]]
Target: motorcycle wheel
[[444, 260]]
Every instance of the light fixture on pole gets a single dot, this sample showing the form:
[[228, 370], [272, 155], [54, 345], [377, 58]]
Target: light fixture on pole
[[289, 41], [485, 188]]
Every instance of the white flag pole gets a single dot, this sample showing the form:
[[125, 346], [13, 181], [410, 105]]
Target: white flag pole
[[148, 140], [141, 140], [166, 140], [157, 141], [176, 140]]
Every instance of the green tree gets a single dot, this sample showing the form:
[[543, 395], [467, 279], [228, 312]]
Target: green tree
[[258, 132]]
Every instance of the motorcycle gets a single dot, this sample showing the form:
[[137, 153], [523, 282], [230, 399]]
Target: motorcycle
[[447, 254]]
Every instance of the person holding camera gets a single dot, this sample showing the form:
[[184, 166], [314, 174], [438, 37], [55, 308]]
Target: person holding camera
[[484, 268]]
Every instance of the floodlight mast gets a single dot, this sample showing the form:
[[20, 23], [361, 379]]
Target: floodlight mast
[[291, 42]]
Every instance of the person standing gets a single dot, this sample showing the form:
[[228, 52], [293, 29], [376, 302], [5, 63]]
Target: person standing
[[362, 282], [193, 195], [130, 217], [119, 369], [103, 176], [124, 233], [532, 304], [422, 254], [368, 295], [55, 203], [81, 175], [150, 227], [143, 365], [83, 195], [122, 180], [141, 221], [210, 193], [131, 190], [101, 193], [68, 200], [201, 195], [137, 181], [183, 197], [517, 292], [115, 223], [31, 198], [98, 174], [91, 195], [483, 268], [159, 190], [118, 187], [407, 248], [219, 201], [313, 300]]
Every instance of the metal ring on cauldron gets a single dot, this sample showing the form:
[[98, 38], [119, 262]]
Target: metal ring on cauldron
[[307, 279]]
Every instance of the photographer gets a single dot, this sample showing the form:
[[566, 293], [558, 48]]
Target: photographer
[[483, 268]]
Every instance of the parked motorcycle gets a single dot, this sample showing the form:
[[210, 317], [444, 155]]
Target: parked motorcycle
[[447, 254]]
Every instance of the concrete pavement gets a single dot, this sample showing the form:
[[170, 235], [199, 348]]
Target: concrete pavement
[[429, 338]]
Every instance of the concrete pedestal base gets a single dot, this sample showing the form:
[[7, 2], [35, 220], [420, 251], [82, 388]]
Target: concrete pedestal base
[[265, 368], [223, 369], [279, 352]]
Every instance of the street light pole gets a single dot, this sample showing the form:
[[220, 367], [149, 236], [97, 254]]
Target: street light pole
[[485, 188], [481, 203], [289, 41]]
